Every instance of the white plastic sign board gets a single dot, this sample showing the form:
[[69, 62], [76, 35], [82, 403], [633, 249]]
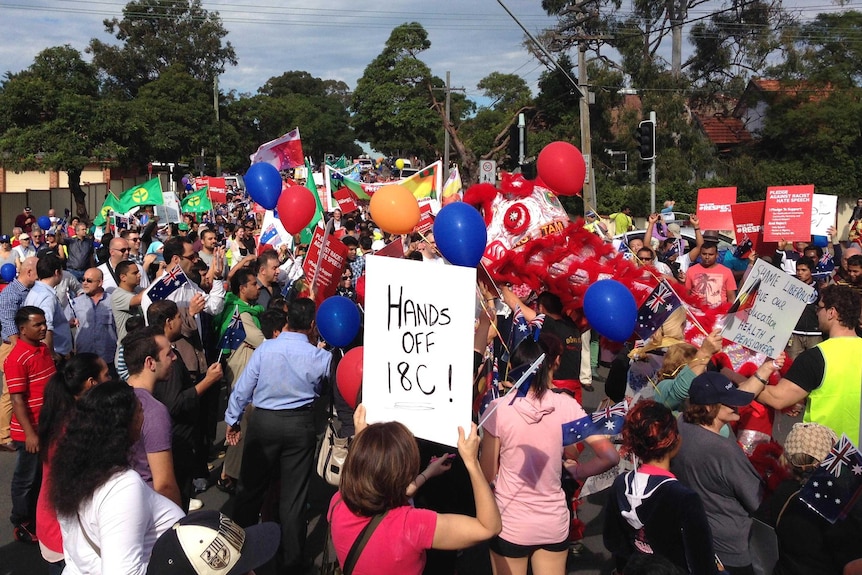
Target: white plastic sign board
[[823, 210], [170, 211], [488, 172], [418, 354], [773, 302]]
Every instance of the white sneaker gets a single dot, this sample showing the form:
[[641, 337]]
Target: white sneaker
[[195, 504]]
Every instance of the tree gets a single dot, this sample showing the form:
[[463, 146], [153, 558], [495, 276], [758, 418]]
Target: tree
[[54, 119], [156, 35]]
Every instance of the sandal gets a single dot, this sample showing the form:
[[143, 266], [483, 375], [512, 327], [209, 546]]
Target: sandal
[[226, 485]]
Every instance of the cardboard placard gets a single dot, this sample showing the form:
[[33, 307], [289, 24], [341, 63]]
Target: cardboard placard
[[769, 305], [331, 265], [426, 220], [788, 213], [713, 208], [346, 200], [170, 211], [217, 191], [418, 356], [748, 227], [824, 208]]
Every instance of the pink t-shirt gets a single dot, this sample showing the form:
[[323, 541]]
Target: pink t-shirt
[[397, 546], [710, 283], [528, 489]]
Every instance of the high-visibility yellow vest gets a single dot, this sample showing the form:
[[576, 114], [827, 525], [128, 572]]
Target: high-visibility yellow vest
[[837, 403]]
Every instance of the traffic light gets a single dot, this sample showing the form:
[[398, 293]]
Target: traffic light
[[646, 139]]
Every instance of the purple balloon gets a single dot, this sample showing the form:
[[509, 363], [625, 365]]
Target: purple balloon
[[185, 181]]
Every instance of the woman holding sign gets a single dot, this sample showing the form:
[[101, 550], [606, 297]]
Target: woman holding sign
[[522, 453]]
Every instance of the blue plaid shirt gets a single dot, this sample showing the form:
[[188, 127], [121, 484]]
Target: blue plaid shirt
[[11, 299]]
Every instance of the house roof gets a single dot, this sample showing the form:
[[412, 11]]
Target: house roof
[[724, 131]]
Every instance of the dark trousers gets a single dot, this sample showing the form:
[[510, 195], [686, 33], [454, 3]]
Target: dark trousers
[[279, 445], [26, 481]]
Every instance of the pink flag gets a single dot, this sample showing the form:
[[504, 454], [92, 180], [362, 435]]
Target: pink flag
[[283, 153]]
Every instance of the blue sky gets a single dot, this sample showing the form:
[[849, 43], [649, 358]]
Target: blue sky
[[335, 39]]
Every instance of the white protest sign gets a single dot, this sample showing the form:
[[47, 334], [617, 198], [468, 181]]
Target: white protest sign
[[170, 210], [418, 353], [771, 302], [823, 210]]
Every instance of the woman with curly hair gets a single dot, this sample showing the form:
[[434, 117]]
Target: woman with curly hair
[[649, 511], [523, 455], [77, 375], [109, 518]]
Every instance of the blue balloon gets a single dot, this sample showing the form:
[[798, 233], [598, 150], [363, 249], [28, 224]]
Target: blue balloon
[[263, 183], [820, 241], [338, 321], [8, 272], [44, 222], [611, 309], [460, 233]]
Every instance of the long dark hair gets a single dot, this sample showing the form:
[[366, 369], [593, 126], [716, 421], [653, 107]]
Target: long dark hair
[[96, 445], [529, 351], [61, 393]]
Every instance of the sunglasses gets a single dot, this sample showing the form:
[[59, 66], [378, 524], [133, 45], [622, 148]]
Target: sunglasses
[[124, 250], [346, 278], [89, 281]]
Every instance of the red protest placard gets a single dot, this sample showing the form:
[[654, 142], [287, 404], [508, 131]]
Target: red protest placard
[[218, 190], [346, 200], [394, 249], [748, 227], [788, 213], [713, 208], [426, 219], [332, 264]]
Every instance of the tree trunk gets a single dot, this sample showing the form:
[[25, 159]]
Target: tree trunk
[[78, 194]]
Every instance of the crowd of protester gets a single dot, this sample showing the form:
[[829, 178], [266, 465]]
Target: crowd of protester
[[112, 399]]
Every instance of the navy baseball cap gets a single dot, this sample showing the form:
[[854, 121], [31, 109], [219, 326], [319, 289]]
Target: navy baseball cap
[[711, 387]]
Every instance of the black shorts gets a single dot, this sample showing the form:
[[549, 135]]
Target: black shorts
[[502, 547]]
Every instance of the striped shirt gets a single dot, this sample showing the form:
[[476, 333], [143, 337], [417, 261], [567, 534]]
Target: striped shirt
[[28, 369], [11, 299]]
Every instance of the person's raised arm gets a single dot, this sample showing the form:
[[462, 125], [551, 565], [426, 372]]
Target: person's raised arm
[[698, 239], [606, 457], [460, 531], [513, 301]]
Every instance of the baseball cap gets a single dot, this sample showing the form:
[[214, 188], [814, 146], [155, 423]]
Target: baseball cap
[[184, 227], [27, 209], [51, 232], [209, 543], [674, 230], [5, 239], [712, 387], [591, 214], [24, 236], [810, 439]]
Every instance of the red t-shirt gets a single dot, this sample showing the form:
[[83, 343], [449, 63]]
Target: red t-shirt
[[28, 369], [397, 546]]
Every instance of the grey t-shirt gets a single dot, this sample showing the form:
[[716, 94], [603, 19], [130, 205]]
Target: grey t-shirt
[[120, 306]]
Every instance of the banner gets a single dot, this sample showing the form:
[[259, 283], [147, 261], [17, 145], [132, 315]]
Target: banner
[[217, 188], [197, 202], [788, 213], [748, 228], [147, 194], [713, 208], [283, 153], [823, 210], [418, 355], [331, 265], [767, 308]]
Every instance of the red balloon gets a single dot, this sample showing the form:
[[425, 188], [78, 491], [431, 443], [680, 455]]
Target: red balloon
[[348, 376], [561, 166], [296, 207], [360, 290]]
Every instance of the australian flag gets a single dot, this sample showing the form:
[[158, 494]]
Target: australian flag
[[167, 284], [824, 268], [521, 328], [578, 430], [491, 375], [234, 335], [834, 486], [656, 309], [607, 421]]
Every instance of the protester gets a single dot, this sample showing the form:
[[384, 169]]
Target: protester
[[649, 511], [109, 518], [267, 276], [119, 251], [42, 295], [28, 368], [380, 474], [806, 333], [25, 220], [709, 280], [23, 250], [78, 375], [126, 298], [526, 434], [96, 331]]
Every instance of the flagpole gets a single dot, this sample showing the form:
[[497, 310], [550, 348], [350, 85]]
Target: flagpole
[[533, 367]]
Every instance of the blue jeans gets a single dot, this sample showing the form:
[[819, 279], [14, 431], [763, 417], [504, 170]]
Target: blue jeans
[[26, 481]]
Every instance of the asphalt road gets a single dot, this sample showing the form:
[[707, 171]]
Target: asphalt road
[[21, 559]]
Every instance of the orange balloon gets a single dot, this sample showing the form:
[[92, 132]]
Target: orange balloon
[[394, 209]]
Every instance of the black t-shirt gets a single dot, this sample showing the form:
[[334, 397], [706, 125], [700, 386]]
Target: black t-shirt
[[570, 335], [808, 369]]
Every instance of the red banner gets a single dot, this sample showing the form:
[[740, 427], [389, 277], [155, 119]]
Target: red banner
[[788, 213], [713, 208], [346, 200], [748, 227], [426, 219], [332, 264], [217, 188]]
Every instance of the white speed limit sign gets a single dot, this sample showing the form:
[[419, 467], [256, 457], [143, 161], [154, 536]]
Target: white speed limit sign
[[488, 172]]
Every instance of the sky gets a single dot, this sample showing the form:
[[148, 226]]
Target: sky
[[335, 39]]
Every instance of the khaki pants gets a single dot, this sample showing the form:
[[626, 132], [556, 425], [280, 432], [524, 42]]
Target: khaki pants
[[5, 399]]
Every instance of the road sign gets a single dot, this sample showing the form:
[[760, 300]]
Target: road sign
[[488, 172]]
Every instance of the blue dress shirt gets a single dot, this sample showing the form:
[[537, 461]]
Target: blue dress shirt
[[283, 373], [43, 296]]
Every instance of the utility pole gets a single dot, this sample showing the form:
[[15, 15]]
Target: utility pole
[[446, 127], [218, 127], [652, 118], [586, 143]]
